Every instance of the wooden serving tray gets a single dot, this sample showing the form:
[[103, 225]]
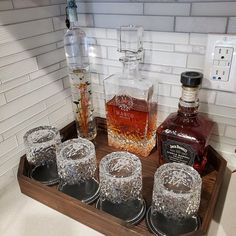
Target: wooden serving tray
[[103, 222]]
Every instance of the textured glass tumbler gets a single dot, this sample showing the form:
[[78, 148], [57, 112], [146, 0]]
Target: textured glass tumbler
[[175, 200], [121, 186], [76, 163], [40, 144]]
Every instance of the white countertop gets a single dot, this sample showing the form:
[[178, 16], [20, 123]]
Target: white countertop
[[24, 216]]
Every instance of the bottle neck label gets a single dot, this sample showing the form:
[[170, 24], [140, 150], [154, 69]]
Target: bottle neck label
[[72, 12], [189, 94]]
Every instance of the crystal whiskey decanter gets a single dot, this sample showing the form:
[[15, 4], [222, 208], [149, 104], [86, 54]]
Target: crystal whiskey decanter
[[184, 135], [131, 105]]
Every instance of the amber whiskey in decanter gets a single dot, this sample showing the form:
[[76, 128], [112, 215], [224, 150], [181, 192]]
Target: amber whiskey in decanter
[[131, 103], [184, 135]]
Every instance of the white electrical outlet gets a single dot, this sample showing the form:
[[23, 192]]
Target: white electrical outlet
[[220, 63]]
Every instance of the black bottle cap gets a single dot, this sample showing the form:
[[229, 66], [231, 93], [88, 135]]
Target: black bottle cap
[[191, 78]]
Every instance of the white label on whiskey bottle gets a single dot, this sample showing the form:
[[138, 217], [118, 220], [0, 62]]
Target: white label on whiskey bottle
[[174, 151]]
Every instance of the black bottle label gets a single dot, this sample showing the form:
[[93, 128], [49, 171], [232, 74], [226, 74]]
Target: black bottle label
[[174, 151]]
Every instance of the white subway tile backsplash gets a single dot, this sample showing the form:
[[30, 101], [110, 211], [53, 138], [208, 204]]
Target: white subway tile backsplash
[[110, 8], [176, 91], [159, 46], [183, 48], [60, 44], [2, 99], [230, 132], [162, 23], [178, 70], [218, 145], [61, 112], [39, 114], [201, 24], [111, 34], [18, 69], [63, 121], [218, 129], [95, 32], [97, 51], [222, 119], [66, 82], [10, 163], [113, 70], [165, 58], [44, 71], [63, 64], [161, 77], [166, 37], [29, 43], [213, 9], [50, 58], [207, 96], [107, 42], [84, 20], [223, 139], [196, 61], [26, 54], [20, 117], [6, 179], [232, 25], [102, 69], [24, 30], [12, 108], [199, 49], [164, 89], [7, 145], [16, 16], [156, 68], [61, 96], [198, 39], [29, 3], [5, 5], [226, 99], [113, 54], [167, 9], [35, 84], [213, 109], [168, 101]]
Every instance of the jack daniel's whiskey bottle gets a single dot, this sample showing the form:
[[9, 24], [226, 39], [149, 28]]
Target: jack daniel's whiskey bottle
[[184, 135], [131, 104]]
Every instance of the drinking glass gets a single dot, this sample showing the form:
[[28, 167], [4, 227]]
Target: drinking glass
[[176, 199], [76, 163], [40, 144], [121, 186]]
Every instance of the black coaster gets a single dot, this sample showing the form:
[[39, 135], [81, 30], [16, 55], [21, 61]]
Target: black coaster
[[45, 174], [86, 192], [131, 211], [160, 226]]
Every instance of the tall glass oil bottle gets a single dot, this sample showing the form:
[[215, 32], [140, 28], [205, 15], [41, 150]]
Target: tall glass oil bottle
[[76, 50], [131, 104]]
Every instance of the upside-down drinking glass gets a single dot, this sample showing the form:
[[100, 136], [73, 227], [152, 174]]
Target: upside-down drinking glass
[[176, 199], [76, 163], [41, 143], [121, 186]]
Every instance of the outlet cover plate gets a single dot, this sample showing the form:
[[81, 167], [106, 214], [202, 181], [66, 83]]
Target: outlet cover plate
[[220, 68]]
